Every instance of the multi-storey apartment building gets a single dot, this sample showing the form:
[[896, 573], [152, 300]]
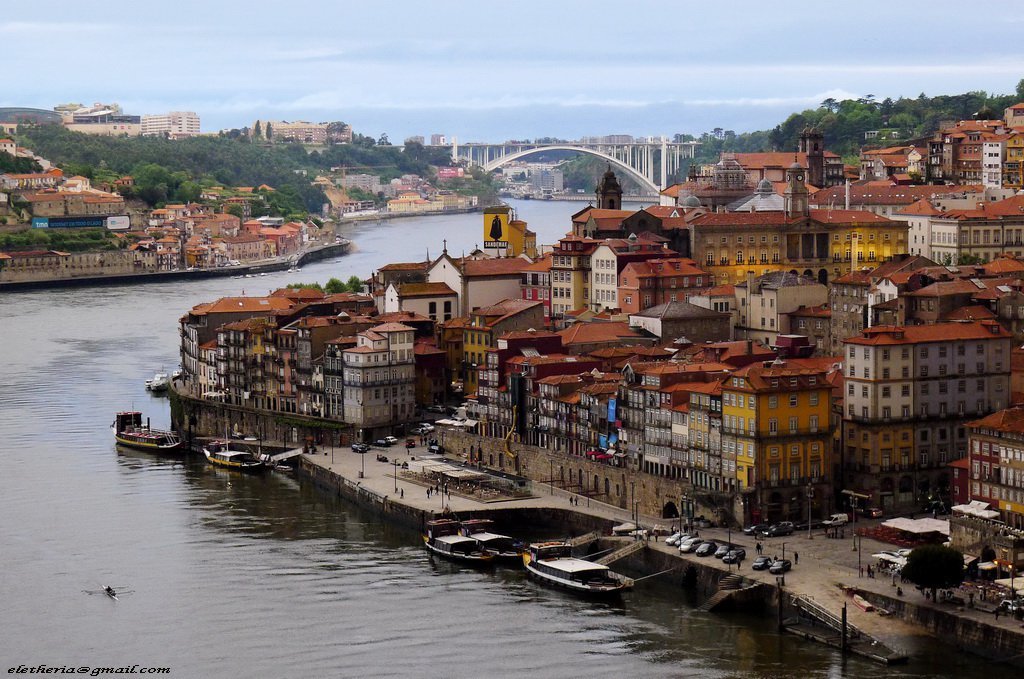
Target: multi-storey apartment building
[[570, 274], [776, 438], [609, 260], [379, 379], [536, 284], [996, 464], [659, 281], [176, 124], [909, 391], [765, 302]]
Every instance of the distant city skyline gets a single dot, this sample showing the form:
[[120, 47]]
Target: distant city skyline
[[482, 73]]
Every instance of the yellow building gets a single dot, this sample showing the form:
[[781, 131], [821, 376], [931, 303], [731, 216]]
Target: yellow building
[[777, 438], [570, 274], [823, 243], [1013, 166], [505, 236], [487, 324]]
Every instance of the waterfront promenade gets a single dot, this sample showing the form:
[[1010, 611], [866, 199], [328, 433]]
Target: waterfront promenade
[[824, 568]]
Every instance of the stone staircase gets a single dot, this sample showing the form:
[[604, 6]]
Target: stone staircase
[[622, 552], [727, 585]]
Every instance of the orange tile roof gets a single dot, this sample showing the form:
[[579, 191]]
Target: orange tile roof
[[504, 266], [425, 290], [938, 332], [1010, 420], [243, 304], [542, 265], [586, 333]]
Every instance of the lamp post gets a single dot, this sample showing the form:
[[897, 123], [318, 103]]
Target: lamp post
[[783, 551], [395, 464], [810, 498]]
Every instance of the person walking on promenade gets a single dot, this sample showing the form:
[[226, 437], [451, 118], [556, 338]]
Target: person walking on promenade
[[796, 558]]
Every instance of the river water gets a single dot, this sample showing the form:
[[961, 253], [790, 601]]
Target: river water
[[237, 576]]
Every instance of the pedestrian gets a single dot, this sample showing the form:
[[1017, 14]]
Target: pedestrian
[[402, 493], [861, 575], [796, 558], [997, 613]]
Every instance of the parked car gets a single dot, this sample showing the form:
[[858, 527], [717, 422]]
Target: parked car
[[391, 440], [360, 448], [706, 549], [761, 563], [689, 545], [781, 566], [755, 529], [426, 428], [410, 443], [676, 539], [436, 449], [736, 555], [437, 409], [840, 519], [1011, 606], [871, 512], [780, 528], [723, 550]]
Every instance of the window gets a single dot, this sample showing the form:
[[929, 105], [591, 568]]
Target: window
[[792, 400]]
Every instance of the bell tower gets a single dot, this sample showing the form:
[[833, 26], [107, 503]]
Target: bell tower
[[795, 196], [812, 143], [609, 192]]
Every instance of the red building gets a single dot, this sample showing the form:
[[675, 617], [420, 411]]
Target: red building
[[657, 281]]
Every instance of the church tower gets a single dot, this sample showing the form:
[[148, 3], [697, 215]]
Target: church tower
[[795, 196], [812, 142], [609, 193]]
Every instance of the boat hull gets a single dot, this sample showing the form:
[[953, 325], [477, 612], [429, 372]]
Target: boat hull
[[477, 560], [151, 447], [603, 591]]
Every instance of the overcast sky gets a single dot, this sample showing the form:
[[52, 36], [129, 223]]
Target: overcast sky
[[517, 70]]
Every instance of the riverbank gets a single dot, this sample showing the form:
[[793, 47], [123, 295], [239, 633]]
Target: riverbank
[[820, 575], [310, 254], [387, 216]]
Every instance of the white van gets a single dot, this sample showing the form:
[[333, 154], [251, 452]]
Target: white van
[[837, 520]]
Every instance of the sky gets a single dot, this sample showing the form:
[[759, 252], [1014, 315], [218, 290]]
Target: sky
[[485, 71]]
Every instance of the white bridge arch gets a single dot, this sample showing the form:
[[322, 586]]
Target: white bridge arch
[[639, 159]]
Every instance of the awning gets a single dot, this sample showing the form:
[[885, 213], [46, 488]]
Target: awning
[[977, 508], [918, 526], [968, 559], [986, 566]]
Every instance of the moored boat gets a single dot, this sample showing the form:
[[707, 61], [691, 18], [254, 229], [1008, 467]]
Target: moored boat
[[219, 453], [553, 563], [158, 383], [442, 538], [129, 431], [501, 547]]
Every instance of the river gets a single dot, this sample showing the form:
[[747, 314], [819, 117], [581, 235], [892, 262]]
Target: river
[[236, 576]]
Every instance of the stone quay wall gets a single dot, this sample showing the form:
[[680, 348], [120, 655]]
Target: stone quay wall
[[616, 486]]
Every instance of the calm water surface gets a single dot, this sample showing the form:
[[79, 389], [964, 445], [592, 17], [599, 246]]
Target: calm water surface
[[237, 576]]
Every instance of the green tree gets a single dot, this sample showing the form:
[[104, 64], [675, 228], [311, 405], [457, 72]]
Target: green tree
[[235, 210], [355, 284], [935, 567], [303, 286], [335, 286], [270, 131], [257, 131]]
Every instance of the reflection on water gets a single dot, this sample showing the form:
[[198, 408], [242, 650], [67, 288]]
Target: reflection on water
[[239, 575]]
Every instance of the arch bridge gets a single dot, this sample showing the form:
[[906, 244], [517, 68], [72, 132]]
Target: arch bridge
[[641, 160]]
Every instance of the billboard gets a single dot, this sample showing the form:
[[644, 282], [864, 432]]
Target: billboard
[[496, 227], [611, 410], [450, 172], [115, 223]]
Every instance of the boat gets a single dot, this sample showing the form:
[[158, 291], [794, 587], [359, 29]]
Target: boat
[[553, 563], [129, 431], [159, 382], [110, 592], [219, 453], [442, 538], [502, 547]]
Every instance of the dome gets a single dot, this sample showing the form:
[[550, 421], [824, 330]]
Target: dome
[[796, 166], [765, 186], [691, 201]]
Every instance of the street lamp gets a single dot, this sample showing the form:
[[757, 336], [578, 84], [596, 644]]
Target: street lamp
[[395, 463], [810, 498]]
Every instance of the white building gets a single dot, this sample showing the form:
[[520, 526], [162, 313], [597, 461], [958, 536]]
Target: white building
[[993, 153], [174, 124], [379, 379]]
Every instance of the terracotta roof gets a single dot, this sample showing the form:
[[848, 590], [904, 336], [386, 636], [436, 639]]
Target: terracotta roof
[[405, 266], [1009, 420], [886, 195], [680, 310], [720, 291], [587, 333], [973, 312], [243, 304], [741, 218], [938, 332], [819, 311], [298, 293], [391, 327], [400, 316], [542, 265], [504, 266], [425, 290], [828, 216]]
